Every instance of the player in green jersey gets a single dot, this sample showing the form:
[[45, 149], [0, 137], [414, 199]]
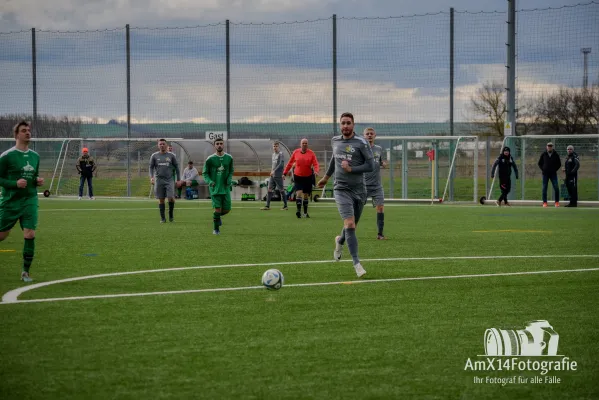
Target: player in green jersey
[[218, 174], [19, 179]]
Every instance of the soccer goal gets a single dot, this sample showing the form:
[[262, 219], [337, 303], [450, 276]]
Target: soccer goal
[[526, 151], [429, 169], [122, 164]]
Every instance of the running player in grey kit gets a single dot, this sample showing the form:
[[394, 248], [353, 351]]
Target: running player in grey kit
[[352, 157], [374, 185], [162, 164]]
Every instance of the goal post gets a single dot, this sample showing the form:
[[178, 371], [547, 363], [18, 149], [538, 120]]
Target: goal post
[[410, 175], [527, 150], [122, 164]]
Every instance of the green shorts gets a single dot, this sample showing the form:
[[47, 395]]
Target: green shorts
[[222, 201], [23, 211]]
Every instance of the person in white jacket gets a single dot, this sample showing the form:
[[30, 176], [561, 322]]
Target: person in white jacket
[[190, 178]]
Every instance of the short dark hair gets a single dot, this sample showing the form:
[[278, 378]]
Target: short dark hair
[[347, 114], [162, 140], [219, 140], [189, 162], [18, 126]]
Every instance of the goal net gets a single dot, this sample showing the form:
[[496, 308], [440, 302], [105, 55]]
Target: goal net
[[527, 150], [123, 164]]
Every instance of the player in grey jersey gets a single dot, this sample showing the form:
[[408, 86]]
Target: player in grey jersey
[[352, 157], [276, 177], [161, 168], [374, 185]]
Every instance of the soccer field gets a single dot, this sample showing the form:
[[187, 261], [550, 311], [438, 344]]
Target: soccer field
[[172, 311]]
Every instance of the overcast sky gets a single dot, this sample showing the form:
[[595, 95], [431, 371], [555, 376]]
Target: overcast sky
[[101, 14], [389, 70]]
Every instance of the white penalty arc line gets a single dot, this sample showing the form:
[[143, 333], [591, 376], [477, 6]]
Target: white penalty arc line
[[420, 278], [12, 296]]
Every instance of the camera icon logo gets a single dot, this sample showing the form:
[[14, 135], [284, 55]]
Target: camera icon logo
[[538, 338]]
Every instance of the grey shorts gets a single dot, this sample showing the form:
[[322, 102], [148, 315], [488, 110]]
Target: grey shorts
[[275, 183], [377, 194], [164, 190], [349, 204]]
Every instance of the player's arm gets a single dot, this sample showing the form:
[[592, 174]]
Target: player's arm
[[93, 163], [368, 165], [515, 167], [330, 171], [494, 167], [152, 167], [315, 164], [280, 162], [289, 164], [36, 177], [4, 182], [230, 176], [206, 173], [78, 165]]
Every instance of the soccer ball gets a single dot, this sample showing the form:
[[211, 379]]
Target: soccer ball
[[272, 279]]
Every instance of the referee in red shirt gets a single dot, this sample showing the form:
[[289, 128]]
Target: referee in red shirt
[[306, 166]]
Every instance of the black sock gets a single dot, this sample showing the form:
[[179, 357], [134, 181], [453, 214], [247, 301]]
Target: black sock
[[305, 206], [161, 208], [28, 251], [268, 198], [171, 209], [380, 222], [341, 240], [298, 204], [352, 244]]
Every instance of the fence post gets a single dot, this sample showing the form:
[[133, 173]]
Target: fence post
[[34, 77], [522, 167], [487, 162], [436, 167], [391, 165], [451, 70], [334, 74], [128, 49], [228, 79], [404, 169]]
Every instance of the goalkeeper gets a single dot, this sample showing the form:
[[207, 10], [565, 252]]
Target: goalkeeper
[[505, 163]]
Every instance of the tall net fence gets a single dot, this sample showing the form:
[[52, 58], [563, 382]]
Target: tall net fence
[[527, 151], [550, 58], [287, 81]]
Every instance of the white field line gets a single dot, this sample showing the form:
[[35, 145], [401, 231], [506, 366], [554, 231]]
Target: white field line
[[12, 296], [422, 278]]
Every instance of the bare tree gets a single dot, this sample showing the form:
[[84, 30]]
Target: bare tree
[[567, 111], [489, 103]]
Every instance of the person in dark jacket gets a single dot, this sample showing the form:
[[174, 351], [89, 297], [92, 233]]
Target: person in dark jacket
[[86, 166], [571, 166], [550, 163], [505, 163]]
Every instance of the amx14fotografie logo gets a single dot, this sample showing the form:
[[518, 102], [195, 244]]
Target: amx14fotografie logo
[[532, 351]]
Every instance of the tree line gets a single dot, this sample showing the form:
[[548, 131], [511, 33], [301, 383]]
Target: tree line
[[566, 111]]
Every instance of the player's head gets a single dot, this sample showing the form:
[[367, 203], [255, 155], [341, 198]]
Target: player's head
[[169, 148], [347, 124], [304, 144], [162, 145], [275, 147], [190, 164], [549, 147], [506, 151], [570, 149], [370, 135], [22, 131], [219, 145], [85, 152]]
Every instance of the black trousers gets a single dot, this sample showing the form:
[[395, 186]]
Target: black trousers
[[505, 185], [572, 186]]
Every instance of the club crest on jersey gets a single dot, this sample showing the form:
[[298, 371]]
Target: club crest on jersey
[[28, 168], [349, 149]]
